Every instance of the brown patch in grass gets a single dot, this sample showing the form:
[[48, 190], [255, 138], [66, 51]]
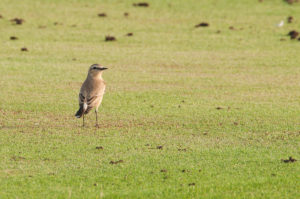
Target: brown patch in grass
[[141, 4], [13, 38], [290, 19], [202, 24], [17, 158], [116, 162], [17, 21], [159, 147], [291, 1], [163, 170], [192, 184], [57, 23], [129, 34], [231, 28], [42, 27], [24, 49], [290, 160], [219, 108], [126, 14], [1, 16], [235, 123], [102, 15], [184, 150], [218, 31], [110, 38], [99, 147]]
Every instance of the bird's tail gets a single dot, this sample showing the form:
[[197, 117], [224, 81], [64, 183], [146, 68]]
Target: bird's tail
[[80, 112]]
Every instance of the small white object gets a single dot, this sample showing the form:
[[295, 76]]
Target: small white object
[[280, 24]]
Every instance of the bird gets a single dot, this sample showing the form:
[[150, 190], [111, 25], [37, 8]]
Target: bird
[[281, 23], [91, 92]]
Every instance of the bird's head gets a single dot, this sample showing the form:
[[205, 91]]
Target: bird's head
[[96, 69]]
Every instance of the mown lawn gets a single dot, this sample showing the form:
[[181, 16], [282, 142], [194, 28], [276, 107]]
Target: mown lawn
[[206, 112]]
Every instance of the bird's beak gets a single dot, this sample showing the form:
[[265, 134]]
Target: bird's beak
[[103, 68]]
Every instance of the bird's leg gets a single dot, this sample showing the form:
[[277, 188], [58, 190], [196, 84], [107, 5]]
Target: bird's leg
[[96, 112], [83, 120]]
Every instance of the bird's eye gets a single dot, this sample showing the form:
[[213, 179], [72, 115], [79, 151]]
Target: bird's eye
[[94, 67]]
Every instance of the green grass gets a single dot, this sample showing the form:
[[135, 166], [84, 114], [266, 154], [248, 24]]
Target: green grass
[[163, 87]]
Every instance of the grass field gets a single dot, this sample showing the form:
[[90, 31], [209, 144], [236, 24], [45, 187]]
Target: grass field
[[192, 113]]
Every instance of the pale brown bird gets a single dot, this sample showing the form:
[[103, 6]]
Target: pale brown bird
[[91, 92]]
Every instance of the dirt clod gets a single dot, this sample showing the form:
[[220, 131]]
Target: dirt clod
[[231, 28], [202, 24], [110, 38], [99, 147], [290, 19], [293, 34], [219, 108], [24, 49], [13, 38], [126, 14], [142, 4], [159, 147], [102, 14], [291, 159], [116, 162], [129, 34], [17, 21]]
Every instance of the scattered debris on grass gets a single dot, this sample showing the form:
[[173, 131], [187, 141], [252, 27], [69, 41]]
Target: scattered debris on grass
[[290, 19], [102, 14], [235, 123], [202, 24], [291, 159], [110, 38], [126, 14], [17, 21], [159, 147], [24, 49], [129, 34], [142, 4], [219, 108], [163, 170], [116, 162], [231, 28], [99, 147], [293, 34], [192, 184], [13, 38]]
